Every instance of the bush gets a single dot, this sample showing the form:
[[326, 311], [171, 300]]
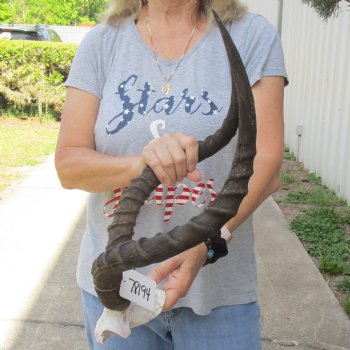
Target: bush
[[32, 75]]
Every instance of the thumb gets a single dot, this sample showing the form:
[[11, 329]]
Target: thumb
[[163, 270], [194, 175]]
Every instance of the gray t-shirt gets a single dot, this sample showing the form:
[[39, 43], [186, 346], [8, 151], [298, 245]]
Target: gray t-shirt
[[117, 66]]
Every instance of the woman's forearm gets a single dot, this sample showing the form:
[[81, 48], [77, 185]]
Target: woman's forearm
[[262, 184], [88, 170], [78, 164], [268, 97]]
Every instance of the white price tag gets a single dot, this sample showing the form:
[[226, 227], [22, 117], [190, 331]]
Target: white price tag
[[139, 289]]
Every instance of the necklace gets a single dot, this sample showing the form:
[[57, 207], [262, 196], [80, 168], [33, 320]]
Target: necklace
[[168, 85]]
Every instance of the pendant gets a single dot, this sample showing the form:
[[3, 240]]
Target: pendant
[[166, 88]]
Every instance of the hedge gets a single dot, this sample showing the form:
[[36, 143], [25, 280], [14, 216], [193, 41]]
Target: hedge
[[32, 74]]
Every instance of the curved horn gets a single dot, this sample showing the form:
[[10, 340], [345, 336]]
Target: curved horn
[[122, 253]]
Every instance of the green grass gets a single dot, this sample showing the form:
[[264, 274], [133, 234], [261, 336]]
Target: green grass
[[17, 113], [344, 285], [312, 177], [319, 196], [26, 146], [289, 155], [322, 224], [331, 266], [322, 231], [346, 305], [24, 143], [6, 179], [287, 178]]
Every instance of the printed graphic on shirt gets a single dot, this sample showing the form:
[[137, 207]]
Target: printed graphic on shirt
[[202, 194], [155, 125], [149, 103]]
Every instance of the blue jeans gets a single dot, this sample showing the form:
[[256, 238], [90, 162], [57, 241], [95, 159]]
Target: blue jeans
[[225, 328]]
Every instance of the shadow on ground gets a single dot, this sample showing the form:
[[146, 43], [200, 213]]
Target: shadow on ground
[[54, 322]]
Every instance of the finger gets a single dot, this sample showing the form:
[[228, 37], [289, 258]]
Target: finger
[[171, 297], [164, 155], [163, 270], [190, 145], [176, 153], [138, 166], [179, 160], [194, 175], [152, 160], [175, 288]]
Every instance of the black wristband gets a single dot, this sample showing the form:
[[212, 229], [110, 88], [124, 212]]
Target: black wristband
[[217, 248]]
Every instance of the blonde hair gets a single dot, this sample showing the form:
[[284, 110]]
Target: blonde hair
[[228, 10]]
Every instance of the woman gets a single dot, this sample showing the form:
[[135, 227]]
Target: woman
[[143, 88]]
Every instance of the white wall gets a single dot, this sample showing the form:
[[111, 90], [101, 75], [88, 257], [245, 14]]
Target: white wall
[[318, 97], [268, 8]]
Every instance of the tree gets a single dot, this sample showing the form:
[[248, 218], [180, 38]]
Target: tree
[[92, 8], [63, 12], [325, 8], [6, 11]]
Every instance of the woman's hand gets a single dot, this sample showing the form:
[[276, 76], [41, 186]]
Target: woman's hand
[[181, 269], [172, 157]]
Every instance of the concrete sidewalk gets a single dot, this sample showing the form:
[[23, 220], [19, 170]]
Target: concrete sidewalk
[[298, 308], [40, 230]]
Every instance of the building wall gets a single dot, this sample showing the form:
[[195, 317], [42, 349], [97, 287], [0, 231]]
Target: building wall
[[318, 98], [317, 103], [268, 8]]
